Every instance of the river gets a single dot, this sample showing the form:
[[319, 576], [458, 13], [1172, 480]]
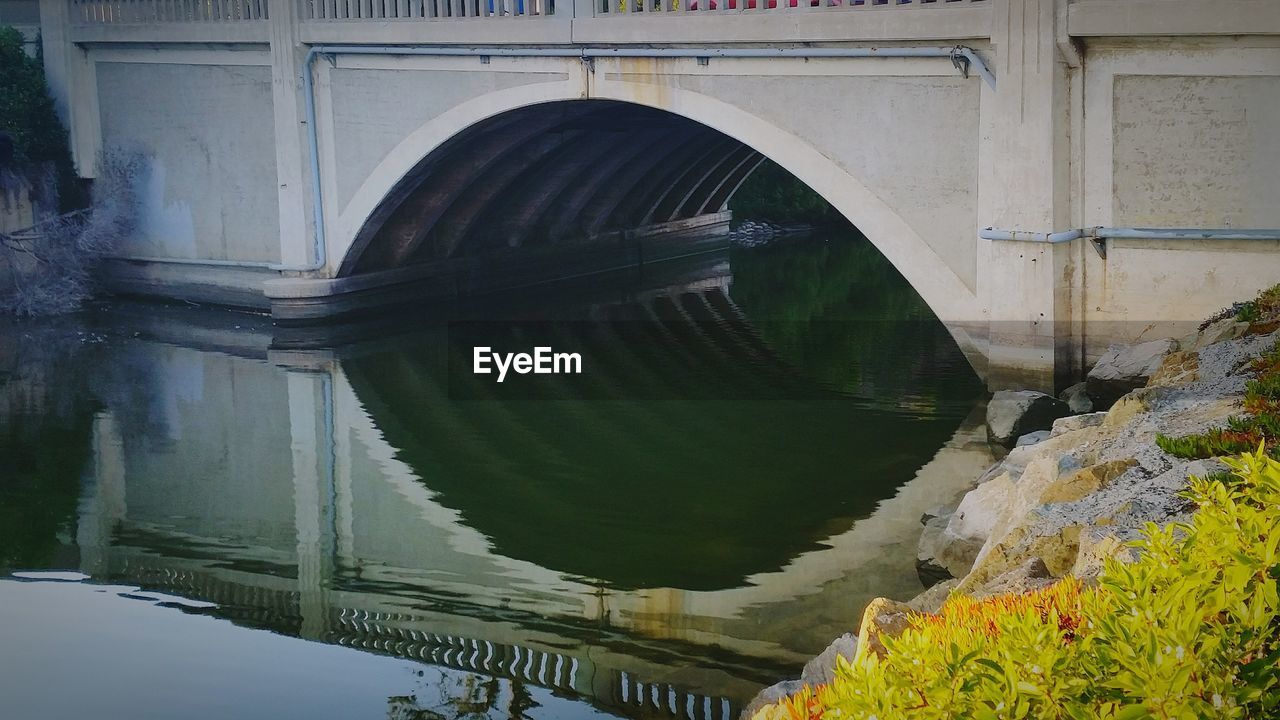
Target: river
[[203, 515]]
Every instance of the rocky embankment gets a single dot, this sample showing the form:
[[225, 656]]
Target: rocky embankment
[[1077, 484]]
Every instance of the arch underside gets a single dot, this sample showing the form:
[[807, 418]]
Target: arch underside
[[548, 175]]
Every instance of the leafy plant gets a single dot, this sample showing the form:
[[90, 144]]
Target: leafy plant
[[1266, 305], [41, 155], [1214, 443], [1190, 629]]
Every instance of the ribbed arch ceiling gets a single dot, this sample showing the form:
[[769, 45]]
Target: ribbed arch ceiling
[[551, 174]]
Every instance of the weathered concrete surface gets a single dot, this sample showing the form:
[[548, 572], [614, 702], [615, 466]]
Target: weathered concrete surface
[[209, 189]]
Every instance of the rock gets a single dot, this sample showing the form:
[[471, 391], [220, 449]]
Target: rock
[[1077, 422], [1032, 438], [822, 669], [1096, 545], [1126, 409], [1056, 548], [1215, 332], [976, 514], [1077, 398], [883, 619], [1178, 368], [939, 511], [1030, 575], [769, 696], [928, 569], [1072, 487], [954, 548], [1014, 413], [931, 600], [1126, 367]]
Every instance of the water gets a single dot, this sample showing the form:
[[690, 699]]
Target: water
[[207, 516]]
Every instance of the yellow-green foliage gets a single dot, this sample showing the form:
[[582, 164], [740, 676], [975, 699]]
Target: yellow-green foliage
[[1188, 630]]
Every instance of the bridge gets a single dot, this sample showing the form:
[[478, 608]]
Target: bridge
[[1050, 175]]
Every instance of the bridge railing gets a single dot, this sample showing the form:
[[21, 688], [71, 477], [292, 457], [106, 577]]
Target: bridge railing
[[660, 7], [107, 12], [137, 12], [425, 9]]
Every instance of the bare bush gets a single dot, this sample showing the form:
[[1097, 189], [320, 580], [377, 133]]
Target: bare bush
[[51, 263]]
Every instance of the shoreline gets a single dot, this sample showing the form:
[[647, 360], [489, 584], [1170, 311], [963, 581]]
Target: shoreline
[[1073, 490]]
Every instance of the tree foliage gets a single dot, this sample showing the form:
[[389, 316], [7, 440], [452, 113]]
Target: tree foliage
[[40, 152]]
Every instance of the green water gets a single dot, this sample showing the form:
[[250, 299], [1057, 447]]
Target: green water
[[205, 516]]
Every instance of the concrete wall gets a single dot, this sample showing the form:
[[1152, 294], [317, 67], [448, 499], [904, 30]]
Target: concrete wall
[[909, 135], [373, 108], [1178, 134], [203, 124]]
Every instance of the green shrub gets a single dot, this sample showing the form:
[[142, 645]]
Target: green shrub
[[1190, 629], [42, 153], [1214, 443], [1267, 303]]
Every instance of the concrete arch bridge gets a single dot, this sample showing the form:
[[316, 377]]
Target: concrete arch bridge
[[1050, 175]]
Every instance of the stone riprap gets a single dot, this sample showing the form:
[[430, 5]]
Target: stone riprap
[[1014, 413], [1066, 503]]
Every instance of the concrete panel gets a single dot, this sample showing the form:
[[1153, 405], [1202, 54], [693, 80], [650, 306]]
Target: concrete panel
[[1148, 289], [207, 133], [1196, 151], [1173, 17], [912, 140], [374, 109]]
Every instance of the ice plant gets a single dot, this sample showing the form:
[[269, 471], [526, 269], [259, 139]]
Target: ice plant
[[1190, 629]]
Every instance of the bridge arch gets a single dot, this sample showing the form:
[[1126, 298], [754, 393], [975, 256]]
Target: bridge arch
[[718, 141]]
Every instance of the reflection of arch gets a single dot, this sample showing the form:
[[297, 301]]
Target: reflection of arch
[[690, 159], [663, 520]]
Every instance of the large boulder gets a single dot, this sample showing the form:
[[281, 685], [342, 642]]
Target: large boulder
[[1222, 330], [1032, 574], [1077, 422], [1126, 367], [950, 543], [1073, 486], [932, 599], [932, 539], [1077, 398], [1014, 413], [883, 619], [770, 695], [822, 669]]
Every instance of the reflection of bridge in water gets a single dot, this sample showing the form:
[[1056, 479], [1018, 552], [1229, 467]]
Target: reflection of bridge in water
[[364, 506], [404, 634]]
